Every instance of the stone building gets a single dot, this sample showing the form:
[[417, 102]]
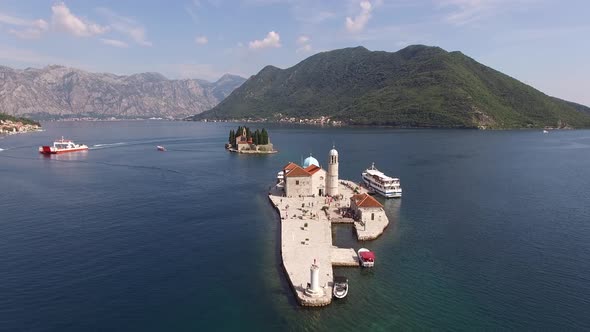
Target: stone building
[[245, 143], [366, 208], [310, 179]]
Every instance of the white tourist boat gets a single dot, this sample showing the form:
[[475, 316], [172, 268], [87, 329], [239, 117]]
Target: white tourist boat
[[340, 289], [61, 146], [381, 184], [366, 257]]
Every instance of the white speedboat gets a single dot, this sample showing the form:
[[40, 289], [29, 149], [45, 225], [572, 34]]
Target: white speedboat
[[340, 289], [61, 146], [160, 148], [381, 184], [366, 257], [545, 132]]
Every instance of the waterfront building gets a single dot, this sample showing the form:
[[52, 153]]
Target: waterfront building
[[365, 208], [310, 179]]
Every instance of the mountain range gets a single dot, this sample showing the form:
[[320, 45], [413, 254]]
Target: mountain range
[[418, 86], [57, 92]]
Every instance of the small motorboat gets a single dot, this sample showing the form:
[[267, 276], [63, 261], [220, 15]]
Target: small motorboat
[[545, 132], [366, 257], [340, 289], [160, 148]]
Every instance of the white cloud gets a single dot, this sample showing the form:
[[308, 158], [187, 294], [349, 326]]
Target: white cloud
[[272, 39], [469, 11], [302, 40], [28, 29], [127, 26], [358, 23], [304, 45], [304, 49], [201, 40], [29, 33], [114, 42], [64, 20]]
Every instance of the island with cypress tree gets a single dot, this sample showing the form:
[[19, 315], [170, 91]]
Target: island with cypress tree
[[244, 140]]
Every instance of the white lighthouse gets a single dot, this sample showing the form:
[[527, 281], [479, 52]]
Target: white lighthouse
[[332, 178], [313, 287]]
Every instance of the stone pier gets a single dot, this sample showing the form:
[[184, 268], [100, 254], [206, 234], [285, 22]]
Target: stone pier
[[306, 239]]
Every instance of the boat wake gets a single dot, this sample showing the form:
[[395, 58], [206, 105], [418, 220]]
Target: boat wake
[[104, 146]]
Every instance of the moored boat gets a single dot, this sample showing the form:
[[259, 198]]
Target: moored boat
[[340, 289], [381, 184], [61, 146], [366, 257]]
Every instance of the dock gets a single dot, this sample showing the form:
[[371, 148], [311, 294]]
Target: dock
[[306, 238]]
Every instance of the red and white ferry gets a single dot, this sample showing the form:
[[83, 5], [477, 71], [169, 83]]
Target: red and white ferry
[[61, 146]]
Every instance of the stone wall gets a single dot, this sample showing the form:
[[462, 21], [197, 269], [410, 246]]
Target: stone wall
[[298, 186]]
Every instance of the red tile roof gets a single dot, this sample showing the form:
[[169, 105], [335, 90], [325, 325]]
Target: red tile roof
[[297, 172], [366, 201], [290, 166], [311, 169]]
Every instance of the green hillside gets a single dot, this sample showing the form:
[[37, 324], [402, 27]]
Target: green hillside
[[418, 86], [16, 119]]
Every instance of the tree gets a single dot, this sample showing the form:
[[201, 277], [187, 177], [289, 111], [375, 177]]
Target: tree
[[232, 137], [258, 137], [264, 135], [248, 134], [255, 137]]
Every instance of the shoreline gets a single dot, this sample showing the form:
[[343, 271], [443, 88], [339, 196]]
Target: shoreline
[[252, 151]]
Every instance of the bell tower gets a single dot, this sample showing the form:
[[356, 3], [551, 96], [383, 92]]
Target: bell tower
[[332, 178]]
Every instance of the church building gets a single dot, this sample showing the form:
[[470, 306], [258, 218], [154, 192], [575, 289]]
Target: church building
[[310, 178]]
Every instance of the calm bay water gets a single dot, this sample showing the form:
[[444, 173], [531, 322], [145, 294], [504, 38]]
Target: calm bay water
[[493, 231]]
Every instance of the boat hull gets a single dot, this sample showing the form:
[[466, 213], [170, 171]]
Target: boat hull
[[376, 190], [340, 293], [363, 262], [49, 150]]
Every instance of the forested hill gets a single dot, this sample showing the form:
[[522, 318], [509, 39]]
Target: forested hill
[[418, 86]]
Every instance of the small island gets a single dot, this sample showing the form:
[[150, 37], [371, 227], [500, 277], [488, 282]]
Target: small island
[[245, 141]]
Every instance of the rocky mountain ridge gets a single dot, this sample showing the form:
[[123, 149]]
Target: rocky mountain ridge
[[57, 92]]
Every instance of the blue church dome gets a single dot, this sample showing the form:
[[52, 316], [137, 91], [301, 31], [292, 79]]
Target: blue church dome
[[310, 161]]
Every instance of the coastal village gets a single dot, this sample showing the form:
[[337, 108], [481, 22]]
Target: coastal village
[[309, 199], [14, 127]]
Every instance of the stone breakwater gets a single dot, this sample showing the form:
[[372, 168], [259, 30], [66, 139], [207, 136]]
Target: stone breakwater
[[306, 238]]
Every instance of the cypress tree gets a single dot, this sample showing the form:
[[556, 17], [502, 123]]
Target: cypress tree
[[232, 137], [248, 134], [255, 137], [264, 135]]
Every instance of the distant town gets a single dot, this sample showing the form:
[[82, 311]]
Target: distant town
[[320, 121], [14, 127]]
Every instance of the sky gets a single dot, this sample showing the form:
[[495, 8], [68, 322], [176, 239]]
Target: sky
[[543, 43]]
